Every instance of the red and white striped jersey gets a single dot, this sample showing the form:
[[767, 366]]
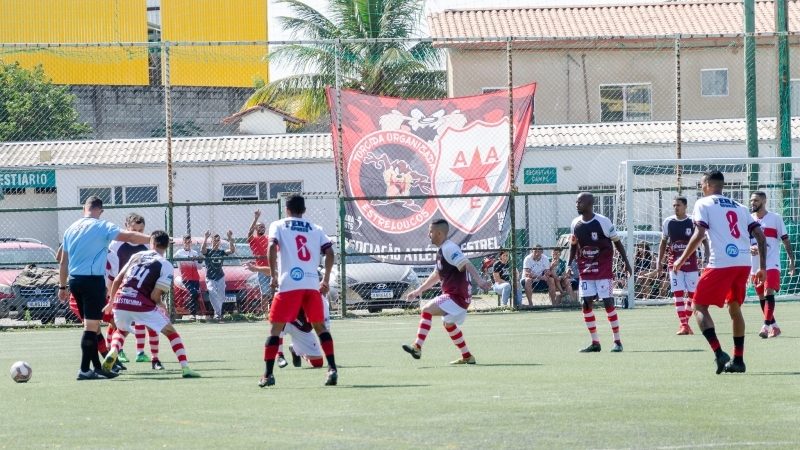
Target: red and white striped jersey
[[729, 225], [774, 230]]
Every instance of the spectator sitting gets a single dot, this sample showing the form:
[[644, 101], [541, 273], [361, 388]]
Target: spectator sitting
[[560, 279], [501, 276], [644, 270], [536, 268]]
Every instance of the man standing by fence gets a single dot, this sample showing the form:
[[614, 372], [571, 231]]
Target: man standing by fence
[[257, 238], [215, 276], [83, 261]]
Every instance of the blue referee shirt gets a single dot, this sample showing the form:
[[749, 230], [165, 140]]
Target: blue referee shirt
[[86, 242]]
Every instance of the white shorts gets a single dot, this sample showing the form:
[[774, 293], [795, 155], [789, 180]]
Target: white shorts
[[683, 281], [155, 320], [453, 313], [304, 343], [601, 288]]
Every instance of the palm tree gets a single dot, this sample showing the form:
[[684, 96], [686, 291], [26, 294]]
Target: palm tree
[[398, 69]]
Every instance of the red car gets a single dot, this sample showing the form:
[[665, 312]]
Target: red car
[[242, 293]]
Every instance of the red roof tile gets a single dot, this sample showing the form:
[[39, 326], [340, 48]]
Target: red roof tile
[[709, 17]]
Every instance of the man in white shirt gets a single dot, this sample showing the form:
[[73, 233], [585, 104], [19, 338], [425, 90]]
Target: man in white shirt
[[536, 268]]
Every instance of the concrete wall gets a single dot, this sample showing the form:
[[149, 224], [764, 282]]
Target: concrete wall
[[127, 112]]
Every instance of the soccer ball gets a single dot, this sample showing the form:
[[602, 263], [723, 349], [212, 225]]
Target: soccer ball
[[21, 372]]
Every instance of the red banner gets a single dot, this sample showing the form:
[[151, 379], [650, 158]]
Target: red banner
[[445, 150]]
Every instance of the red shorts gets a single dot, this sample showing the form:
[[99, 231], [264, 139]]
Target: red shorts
[[718, 286], [286, 305], [773, 282]]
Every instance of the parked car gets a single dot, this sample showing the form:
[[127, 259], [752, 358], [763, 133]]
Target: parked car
[[242, 293], [374, 285], [36, 299]]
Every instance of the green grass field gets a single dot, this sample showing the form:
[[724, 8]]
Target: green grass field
[[530, 389]]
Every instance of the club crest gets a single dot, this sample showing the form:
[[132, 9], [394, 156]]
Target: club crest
[[594, 235]]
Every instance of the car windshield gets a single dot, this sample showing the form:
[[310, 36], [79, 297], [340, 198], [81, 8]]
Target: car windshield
[[23, 256], [243, 254]]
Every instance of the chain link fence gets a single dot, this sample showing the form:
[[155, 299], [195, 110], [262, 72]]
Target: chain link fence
[[196, 135]]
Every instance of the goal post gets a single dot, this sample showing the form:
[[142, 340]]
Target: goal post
[[645, 193]]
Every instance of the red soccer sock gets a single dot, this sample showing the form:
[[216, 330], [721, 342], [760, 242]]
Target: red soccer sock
[[117, 340], [458, 339], [711, 336], [680, 307], [102, 348], [326, 342], [140, 333], [611, 312], [177, 346], [270, 352], [424, 328], [591, 324]]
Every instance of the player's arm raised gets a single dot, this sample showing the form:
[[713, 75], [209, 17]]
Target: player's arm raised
[[231, 246]]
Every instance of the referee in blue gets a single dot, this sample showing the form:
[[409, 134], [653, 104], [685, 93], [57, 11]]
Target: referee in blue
[[83, 261]]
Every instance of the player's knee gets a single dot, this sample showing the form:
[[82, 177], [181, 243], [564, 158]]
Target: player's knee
[[168, 330]]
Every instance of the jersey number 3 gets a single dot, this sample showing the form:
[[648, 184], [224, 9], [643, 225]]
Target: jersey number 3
[[302, 250], [733, 224]]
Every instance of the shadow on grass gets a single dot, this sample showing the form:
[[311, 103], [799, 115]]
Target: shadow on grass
[[774, 373], [384, 386], [443, 366], [686, 350]]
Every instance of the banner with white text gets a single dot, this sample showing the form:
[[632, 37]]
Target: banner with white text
[[446, 151]]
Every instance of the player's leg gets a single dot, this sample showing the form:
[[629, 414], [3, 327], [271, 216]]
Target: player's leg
[[90, 292], [140, 332], [712, 288], [677, 284], [772, 287], [176, 342], [426, 316], [314, 307], [153, 339], [285, 307], [762, 300], [588, 292], [123, 324], [455, 316], [737, 364]]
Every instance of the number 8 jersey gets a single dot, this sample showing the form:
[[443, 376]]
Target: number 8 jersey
[[301, 244], [729, 225]]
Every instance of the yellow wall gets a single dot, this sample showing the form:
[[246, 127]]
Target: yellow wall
[[84, 21], [215, 20]]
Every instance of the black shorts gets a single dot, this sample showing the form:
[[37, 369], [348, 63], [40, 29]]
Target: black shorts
[[90, 295]]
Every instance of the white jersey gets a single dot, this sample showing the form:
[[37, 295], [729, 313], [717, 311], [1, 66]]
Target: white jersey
[[301, 245], [774, 231], [729, 225]]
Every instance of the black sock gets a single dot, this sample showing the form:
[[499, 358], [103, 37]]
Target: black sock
[[738, 349], [88, 347], [711, 336], [770, 299], [326, 342], [270, 346]]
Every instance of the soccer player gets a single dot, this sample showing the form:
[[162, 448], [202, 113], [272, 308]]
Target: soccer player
[[301, 245], [724, 280], [592, 243], [774, 230], [257, 239], [675, 234], [83, 260], [118, 255], [455, 272], [136, 294]]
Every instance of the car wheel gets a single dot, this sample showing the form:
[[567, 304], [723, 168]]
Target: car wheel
[[374, 309]]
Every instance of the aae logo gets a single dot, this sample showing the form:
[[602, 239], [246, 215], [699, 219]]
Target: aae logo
[[297, 274], [732, 250]]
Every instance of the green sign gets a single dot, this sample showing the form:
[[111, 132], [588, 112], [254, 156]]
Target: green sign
[[540, 175], [26, 179]]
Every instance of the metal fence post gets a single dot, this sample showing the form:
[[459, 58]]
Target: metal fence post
[[340, 187], [512, 185], [170, 178], [678, 120]]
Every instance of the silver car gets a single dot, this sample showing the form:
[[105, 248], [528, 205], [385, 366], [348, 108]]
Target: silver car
[[374, 285]]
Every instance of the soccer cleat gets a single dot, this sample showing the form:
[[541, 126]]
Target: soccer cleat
[[774, 331], [413, 350], [593, 347], [109, 361], [266, 380], [721, 359], [734, 367], [118, 366], [122, 357], [764, 333], [156, 364], [332, 378], [617, 348], [684, 330], [189, 373], [88, 375], [296, 360], [462, 360], [106, 374], [142, 357], [281, 361]]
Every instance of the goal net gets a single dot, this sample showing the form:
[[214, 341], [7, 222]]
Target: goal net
[[645, 193]]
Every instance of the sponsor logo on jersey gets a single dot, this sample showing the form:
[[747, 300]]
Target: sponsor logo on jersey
[[732, 250], [679, 246], [299, 225], [725, 202], [590, 252], [297, 274]]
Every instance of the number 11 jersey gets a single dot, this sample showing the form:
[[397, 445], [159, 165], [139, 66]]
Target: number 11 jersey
[[729, 225], [301, 244]]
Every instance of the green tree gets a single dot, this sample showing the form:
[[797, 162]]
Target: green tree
[[32, 108], [398, 69]]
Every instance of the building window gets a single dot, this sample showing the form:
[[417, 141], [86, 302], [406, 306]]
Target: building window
[[794, 89], [14, 191], [714, 82], [232, 192], [604, 199], [625, 102], [45, 190], [121, 195], [275, 189]]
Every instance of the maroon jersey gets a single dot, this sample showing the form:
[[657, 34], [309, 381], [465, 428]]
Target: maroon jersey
[[677, 233], [147, 271], [595, 247], [455, 282], [119, 253]]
